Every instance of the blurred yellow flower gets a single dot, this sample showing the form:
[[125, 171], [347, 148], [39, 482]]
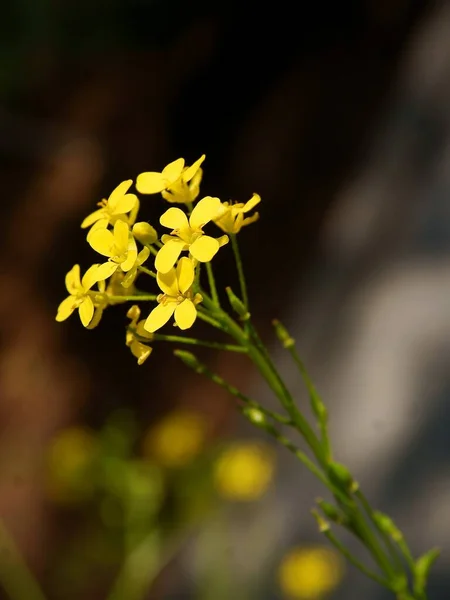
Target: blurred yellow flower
[[116, 207], [118, 245], [177, 439], [177, 298], [310, 573], [244, 471], [138, 349], [172, 181], [188, 234], [70, 457], [232, 220], [79, 295]]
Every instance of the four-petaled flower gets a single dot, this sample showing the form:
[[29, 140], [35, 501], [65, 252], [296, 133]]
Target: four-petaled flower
[[188, 234], [177, 298], [116, 207], [118, 245], [138, 349], [232, 219], [79, 295], [173, 181]]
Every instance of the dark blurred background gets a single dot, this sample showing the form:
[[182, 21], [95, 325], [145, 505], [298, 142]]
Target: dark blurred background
[[336, 113]]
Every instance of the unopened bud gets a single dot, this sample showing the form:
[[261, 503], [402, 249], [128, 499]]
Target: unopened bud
[[331, 511], [321, 522], [387, 525], [190, 360], [144, 233], [237, 305], [283, 334], [342, 478], [254, 415]]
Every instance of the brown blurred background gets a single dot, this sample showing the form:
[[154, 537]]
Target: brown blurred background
[[284, 99]]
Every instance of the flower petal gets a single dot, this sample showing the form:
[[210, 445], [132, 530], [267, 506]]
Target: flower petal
[[142, 256], [96, 318], [189, 173], [102, 241], [86, 310], [118, 193], [168, 255], [204, 248], [150, 183], [173, 170], [129, 278], [185, 314], [121, 231], [90, 277], [106, 270], [66, 308], [130, 261], [124, 204], [223, 239], [207, 209], [185, 274], [95, 216], [131, 255], [174, 218], [254, 200], [168, 282], [73, 282], [140, 351], [159, 316]]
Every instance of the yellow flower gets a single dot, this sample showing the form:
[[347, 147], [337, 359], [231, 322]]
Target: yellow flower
[[70, 458], [182, 192], [116, 207], [130, 277], [188, 234], [177, 298], [79, 295], [119, 246], [176, 439], [173, 179], [310, 573], [138, 349], [244, 471], [232, 220]]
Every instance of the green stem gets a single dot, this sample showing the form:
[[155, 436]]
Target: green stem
[[208, 319], [387, 540], [193, 341], [313, 395], [201, 368], [147, 271], [240, 269], [354, 561], [136, 298], [212, 285], [365, 533]]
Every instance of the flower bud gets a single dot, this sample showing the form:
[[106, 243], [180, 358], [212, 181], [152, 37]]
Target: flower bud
[[144, 233], [190, 360], [342, 478], [283, 334], [237, 305]]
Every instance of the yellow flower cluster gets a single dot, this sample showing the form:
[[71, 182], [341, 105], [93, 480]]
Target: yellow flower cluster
[[115, 234]]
